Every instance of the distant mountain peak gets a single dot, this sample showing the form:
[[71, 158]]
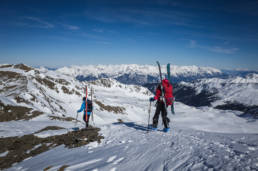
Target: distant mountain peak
[[137, 74]]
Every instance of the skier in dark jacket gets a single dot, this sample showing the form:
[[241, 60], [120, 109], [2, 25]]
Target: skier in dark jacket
[[86, 117], [161, 107]]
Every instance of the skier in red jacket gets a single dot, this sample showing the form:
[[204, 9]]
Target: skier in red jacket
[[161, 107]]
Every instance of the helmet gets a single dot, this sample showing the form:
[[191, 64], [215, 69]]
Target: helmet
[[84, 98]]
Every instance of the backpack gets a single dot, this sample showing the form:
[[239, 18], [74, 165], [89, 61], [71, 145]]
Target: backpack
[[168, 90]]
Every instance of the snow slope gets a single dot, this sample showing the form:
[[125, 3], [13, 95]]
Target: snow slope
[[200, 138], [243, 90], [59, 95]]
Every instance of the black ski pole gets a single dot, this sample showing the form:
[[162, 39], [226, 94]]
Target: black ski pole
[[149, 111], [92, 118]]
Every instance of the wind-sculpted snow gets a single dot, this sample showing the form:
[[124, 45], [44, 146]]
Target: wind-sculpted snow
[[127, 147]]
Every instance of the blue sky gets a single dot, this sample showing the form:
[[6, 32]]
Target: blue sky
[[59, 33]]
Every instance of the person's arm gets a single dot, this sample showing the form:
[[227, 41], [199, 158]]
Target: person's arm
[[82, 108], [158, 92]]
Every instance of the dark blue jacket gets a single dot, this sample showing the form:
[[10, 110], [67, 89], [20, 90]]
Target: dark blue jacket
[[89, 107]]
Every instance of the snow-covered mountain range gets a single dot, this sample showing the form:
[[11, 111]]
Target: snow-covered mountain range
[[138, 74], [236, 93], [38, 109], [243, 90], [49, 91]]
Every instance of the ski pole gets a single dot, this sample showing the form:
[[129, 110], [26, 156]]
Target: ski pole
[[92, 118], [149, 111], [76, 120]]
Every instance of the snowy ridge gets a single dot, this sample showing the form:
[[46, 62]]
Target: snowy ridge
[[116, 86], [39, 89], [243, 90], [57, 94], [137, 74], [117, 70]]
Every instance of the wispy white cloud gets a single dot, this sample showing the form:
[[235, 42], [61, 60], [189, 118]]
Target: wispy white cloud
[[91, 36], [71, 27], [150, 16], [216, 49], [37, 22], [219, 49], [98, 30]]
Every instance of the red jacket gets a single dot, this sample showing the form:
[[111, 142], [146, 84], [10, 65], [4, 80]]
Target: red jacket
[[168, 88]]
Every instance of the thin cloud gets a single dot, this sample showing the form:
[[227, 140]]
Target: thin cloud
[[216, 49], [143, 16], [37, 22], [91, 36], [98, 30], [71, 27]]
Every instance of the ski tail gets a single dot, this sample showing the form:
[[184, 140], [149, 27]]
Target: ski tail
[[168, 73], [160, 75], [170, 80], [92, 105], [162, 88], [86, 104]]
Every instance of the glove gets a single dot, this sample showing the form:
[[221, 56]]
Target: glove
[[152, 99]]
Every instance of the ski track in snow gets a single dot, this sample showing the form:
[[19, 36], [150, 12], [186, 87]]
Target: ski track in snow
[[133, 149], [110, 159]]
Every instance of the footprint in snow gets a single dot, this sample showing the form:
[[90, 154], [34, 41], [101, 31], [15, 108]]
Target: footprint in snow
[[107, 142], [118, 160], [251, 148], [110, 159], [122, 142]]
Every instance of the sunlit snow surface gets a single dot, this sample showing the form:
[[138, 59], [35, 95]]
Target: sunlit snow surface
[[200, 138]]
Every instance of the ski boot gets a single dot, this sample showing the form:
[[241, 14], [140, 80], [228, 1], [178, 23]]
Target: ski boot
[[166, 129], [154, 129]]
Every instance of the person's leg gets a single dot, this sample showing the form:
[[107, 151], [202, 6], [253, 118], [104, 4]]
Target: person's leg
[[164, 116], [156, 115], [87, 122], [84, 118]]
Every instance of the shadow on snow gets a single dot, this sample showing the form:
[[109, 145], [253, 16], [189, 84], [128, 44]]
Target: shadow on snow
[[132, 125]]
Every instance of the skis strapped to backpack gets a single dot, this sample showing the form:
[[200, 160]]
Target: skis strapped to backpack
[[91, 90], [168, 73], [161, 86], [170, 81], [86, 104]]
